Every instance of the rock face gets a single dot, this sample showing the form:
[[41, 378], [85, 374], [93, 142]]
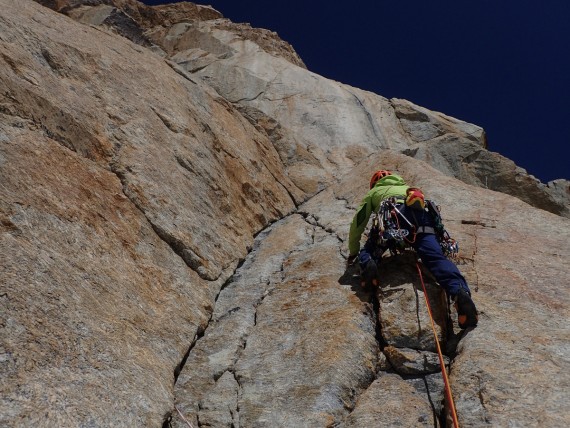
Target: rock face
[[299, 111], [175, 197]]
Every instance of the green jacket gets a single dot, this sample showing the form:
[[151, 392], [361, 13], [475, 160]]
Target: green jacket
[[387, 187]]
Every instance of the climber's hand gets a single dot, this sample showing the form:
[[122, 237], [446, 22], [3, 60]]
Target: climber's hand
[[351, 260]]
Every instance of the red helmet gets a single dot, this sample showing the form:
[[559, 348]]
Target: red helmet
[[378, 175]]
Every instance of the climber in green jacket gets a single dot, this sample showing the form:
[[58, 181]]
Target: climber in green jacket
[[389, 185], [418, 223]]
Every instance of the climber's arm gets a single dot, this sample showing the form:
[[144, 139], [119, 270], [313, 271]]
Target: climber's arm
[[358, 225]]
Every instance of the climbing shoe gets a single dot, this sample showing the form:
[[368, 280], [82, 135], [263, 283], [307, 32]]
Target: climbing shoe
[[466, 310], [369, 274]]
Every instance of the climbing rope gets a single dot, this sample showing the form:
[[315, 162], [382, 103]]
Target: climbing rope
[[448, 395]]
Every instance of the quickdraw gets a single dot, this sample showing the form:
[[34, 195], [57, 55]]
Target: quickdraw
[[449, 246]]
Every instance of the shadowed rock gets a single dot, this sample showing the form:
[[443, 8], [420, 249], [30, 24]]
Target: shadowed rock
[[381, 405]]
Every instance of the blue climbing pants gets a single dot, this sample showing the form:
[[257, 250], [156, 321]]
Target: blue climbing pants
[[444, 270]]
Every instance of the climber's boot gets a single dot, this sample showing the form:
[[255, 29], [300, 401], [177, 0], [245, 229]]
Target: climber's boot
[[369, 274], [466, 310]]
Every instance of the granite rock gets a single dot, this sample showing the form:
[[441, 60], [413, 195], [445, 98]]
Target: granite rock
[[173, 224]]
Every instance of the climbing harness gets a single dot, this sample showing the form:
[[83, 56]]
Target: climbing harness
[[387, 232], [386, 226], [448, 394]]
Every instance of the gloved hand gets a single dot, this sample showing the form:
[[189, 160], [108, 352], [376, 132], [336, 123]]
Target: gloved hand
[[351, 259], [415, 198]]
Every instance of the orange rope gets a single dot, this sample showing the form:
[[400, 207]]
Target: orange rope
[[441, 362]]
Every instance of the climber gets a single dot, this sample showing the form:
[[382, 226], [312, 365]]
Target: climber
[[417, 225]]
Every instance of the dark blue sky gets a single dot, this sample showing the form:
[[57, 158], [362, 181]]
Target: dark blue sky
[[502, 65]]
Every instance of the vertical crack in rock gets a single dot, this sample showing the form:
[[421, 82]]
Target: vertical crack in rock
[[245, 329], [373, 306], [482, 401], [378, 326], [418, 312], [373, 312], [235, 416], [381, 345], [438, 408], [230, 362], [167, 421], [197, 337], [258, 303], [202, 331], [438, 415], [368, 116]]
